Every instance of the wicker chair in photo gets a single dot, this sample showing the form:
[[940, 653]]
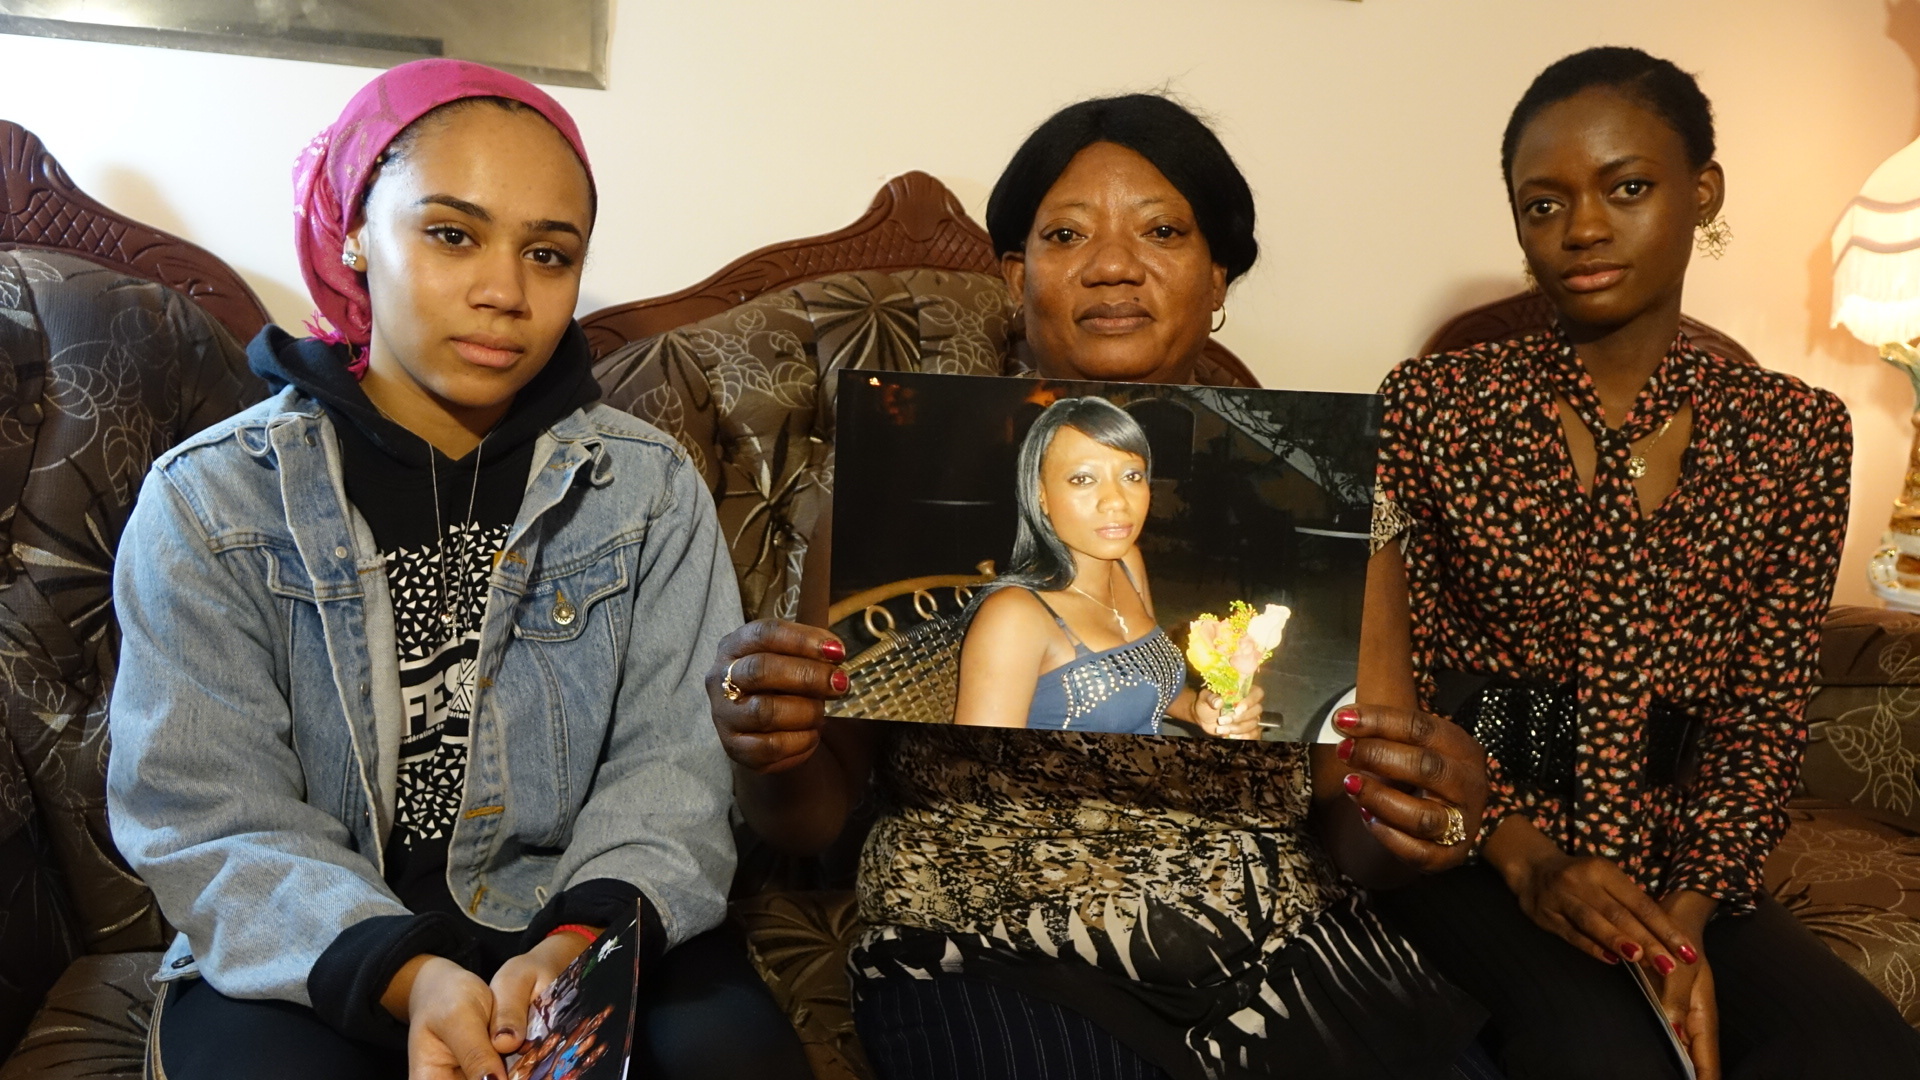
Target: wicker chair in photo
[[900, 669]]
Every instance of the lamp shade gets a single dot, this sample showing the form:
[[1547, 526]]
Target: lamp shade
[[1876, 254]]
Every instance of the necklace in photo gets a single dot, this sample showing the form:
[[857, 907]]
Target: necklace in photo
[[1108, 604]]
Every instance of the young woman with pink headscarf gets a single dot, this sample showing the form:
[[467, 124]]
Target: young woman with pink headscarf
[[410, 702]]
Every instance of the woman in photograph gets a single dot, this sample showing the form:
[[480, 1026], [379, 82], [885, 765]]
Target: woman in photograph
[[1067, 641], [1608, 552], [409, 705], [1058, 903]]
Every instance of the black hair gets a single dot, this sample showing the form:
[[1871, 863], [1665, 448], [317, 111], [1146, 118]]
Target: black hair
[[401, 143], [1041, 560], [1655, 84], [1172, 138]]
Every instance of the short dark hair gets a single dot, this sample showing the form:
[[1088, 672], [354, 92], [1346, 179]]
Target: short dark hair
[[1653, 83], [1172, 138]]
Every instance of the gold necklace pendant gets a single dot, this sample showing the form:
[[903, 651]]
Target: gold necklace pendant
[[1637, 464]]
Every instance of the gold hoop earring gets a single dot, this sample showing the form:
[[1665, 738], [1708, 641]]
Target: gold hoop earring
[[1223, 319], [1526, 271], [1712, 236]]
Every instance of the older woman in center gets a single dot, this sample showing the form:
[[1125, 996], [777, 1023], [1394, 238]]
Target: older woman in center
[[1048, 904]]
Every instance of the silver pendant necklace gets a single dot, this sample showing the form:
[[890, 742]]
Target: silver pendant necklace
[[1107, 603], [448, 597]]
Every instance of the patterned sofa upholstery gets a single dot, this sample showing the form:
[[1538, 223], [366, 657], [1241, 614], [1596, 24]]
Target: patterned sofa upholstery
[[1849, 866], [100, 372]]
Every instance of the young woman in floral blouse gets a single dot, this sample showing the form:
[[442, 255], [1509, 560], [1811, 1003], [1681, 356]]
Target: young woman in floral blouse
[[1612, 551]]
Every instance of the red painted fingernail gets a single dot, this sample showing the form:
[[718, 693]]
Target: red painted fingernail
[[1680, 1031], [1611, 959], [1346, 716], [1629, 950], [1366, 815], [1352, 783], [1686, 953], [833, 651], [1663, 964], [840, 682], [1345, 749]]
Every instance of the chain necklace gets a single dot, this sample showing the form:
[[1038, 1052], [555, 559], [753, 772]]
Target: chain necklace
[[448, 597], [1637, 464], [1107, 603]]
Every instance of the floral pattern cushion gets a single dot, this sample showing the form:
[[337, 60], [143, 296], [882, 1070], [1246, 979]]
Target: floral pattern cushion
[[750, 393], [1855, 882]]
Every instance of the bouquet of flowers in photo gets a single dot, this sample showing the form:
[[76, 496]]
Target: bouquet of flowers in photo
[[1226, 652]]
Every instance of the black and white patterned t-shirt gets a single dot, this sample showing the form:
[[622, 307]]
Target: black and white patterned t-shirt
[[437, 628]]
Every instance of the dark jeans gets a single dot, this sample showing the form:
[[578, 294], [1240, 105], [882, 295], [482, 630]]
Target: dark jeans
[[952, 1027], [704, 1014], [1789, 1008]]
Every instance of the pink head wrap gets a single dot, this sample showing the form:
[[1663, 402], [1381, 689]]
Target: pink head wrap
[[331, 177]]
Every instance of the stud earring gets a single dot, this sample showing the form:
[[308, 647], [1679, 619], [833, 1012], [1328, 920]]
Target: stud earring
[[1526, 271], [350, 259], [1712, 236], [1223, 319]]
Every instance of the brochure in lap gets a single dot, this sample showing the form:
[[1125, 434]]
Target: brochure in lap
[[582, 1027], [1249, 528]]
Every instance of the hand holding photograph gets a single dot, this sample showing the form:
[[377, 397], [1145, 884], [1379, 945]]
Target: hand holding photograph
[[581, 1027], [1104, 526]]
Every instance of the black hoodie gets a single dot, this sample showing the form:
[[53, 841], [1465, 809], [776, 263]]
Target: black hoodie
[[436, 521]]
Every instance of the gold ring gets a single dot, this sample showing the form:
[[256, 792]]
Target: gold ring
[[1456, 827], [728, 688]]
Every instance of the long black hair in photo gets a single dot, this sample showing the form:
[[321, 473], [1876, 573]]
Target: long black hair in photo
[[1041, 560]]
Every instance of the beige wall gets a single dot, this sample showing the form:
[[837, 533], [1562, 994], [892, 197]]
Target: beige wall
[[1369, 131]]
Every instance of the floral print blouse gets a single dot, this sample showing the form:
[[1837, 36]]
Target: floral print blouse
[[1711, 605]]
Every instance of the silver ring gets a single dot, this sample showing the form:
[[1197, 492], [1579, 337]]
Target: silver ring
[[728, 688], [1456, 827]]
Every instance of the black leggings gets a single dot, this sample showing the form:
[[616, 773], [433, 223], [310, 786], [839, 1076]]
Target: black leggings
[[1789, 1008], [704, 1014]]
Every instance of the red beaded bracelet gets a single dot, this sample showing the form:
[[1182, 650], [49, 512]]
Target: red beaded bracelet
[[587, 932]]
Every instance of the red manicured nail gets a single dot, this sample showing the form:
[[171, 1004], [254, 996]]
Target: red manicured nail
[[1686, 953], [1346, 716], [1680, 1031], [1663, 964], [1352, 783], [833, 651], [1629, 950], [1366, 815], [1610, 958], [840, 682], [1345, 750]]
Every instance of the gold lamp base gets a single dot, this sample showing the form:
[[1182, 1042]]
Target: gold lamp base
[[1894, 570]]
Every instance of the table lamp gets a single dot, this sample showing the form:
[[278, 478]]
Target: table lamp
[[1876, 296]]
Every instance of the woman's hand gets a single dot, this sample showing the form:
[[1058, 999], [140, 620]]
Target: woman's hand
[[769, 687], [1408, 770], [1687, 990], [448, 1011], [525, 977], [1587, 901], [1687, 994], [1242, 722]]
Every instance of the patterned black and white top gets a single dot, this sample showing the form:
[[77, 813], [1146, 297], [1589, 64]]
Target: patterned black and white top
[[437, 628]]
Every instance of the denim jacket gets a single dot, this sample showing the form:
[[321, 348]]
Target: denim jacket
[[257, 717]]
